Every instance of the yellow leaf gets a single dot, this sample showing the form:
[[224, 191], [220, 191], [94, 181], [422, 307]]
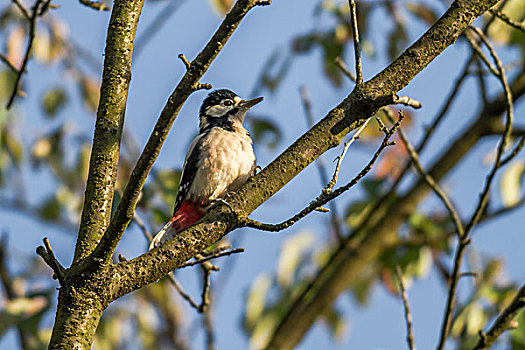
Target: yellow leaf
[[222, 6], [510, 185], [16, 45], [41, 148], [292, 251]]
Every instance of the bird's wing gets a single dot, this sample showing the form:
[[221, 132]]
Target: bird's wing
[[188, 172]]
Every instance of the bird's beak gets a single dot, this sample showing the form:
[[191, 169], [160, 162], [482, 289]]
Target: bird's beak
[[247, 104]]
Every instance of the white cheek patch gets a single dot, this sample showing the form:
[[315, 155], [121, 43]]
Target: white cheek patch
[[216, 111]]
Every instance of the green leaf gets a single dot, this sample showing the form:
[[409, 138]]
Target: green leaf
[[503, 33], [90, 90], [264, 129], [53, 101], [517, 336], [12, 145], [423, 12], [50, 209], [336, 323]]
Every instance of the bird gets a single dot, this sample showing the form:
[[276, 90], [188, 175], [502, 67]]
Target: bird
[[219, 161]]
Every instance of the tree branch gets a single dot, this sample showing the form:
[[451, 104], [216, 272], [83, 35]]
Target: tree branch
[[503, 322], [506, 19], [8, 64], [95, 5], [327, 194], [454, 216], [357, 45], [188, 84], [408, 314], [49, 257], [35, 12], [104, 159], [360, 104], [464, 240], [323, 172], [339, 62]]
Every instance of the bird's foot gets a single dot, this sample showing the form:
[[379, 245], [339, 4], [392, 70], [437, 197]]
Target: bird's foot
[[214, 203]]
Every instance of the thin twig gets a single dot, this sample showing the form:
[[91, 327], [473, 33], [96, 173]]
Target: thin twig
[[357, 45], [475, 46], [22, 9], [49, 257], [213, 256], [429, 131], [208, 326], [201, 258], [408, 314], [483, 197], [407, 101], [205, 296], [501, 211], [8, 64], [454, 216], [333, 181], [323, 172], [482, 85], [181, 292], [146, 36], [184, 60], [327, 196], [468, 274], [506, 19], [178, 97], [339, 63], [503, 322], [95, 5], [514, 152], [140, 223], [32, 31]]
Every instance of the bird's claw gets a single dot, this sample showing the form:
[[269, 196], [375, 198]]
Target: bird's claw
[[214, 203]]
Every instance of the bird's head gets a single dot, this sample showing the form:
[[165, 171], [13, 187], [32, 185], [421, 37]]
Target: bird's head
[[224, 106]]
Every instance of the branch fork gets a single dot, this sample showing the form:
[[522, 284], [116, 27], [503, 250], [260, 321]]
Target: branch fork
[[47, 254], [197, 85]]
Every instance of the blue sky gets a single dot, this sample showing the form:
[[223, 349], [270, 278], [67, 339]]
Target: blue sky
[[155, 74]]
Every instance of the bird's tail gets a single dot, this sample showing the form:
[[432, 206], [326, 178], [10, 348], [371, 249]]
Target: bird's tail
[[188, 214]]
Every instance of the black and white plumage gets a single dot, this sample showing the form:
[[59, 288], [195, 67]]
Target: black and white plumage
[[220, 159]]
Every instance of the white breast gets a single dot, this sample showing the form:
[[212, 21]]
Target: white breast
[[227, 161]]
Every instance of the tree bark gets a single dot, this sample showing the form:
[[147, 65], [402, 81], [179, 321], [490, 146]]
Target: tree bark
[[93, 282], [103, 164]]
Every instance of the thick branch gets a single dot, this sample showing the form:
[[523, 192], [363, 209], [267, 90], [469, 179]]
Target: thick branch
[[360, 104], [108, 128], [188, 84]]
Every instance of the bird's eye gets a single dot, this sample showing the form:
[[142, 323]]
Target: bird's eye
[[228, 103]]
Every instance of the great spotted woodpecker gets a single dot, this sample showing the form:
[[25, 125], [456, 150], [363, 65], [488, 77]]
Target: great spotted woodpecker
[[220, 159]]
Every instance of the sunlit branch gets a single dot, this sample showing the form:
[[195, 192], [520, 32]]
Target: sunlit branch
[[357, 45], [32, 19], [464, 240], [408, 314], [327, 194], [503, 322]]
